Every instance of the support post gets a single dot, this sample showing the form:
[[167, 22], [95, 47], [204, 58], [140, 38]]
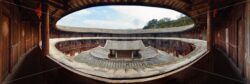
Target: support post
[[132, 54], [210, 56], [116, 56], [45, 27], [209, 32], [247, 41], [39, 31]]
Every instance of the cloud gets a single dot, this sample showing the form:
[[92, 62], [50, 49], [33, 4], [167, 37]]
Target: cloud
[[116, 17], [83, 12], [140, 15], [115, 24], [146, 13]]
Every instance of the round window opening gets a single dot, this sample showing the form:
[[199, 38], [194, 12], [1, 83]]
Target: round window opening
[[124, 17]]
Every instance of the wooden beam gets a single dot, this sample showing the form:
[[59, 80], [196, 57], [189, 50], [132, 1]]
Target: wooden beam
[[53, 12], [65, 3], [45, 27], [247, 41], [56, 5], [209, 31], [184, 3]]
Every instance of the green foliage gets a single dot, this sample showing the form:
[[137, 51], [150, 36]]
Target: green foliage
[[151, 24], [167, 23]]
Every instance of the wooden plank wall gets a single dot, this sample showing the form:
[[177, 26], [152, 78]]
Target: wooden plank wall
[[22, 35], [247, 41], [229, 35], [4, 42]]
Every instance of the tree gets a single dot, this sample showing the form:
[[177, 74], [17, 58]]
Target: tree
[[167, 22], [151, 24], [163, 22]]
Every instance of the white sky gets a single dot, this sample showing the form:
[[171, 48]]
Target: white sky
[[116, 17]]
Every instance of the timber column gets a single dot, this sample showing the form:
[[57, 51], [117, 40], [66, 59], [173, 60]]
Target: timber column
[[45, 27], [209, 31], [210, 54]]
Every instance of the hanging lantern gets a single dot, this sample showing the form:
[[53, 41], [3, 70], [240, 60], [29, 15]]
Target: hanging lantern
[[215, 12], [38, 11], [218, 4]]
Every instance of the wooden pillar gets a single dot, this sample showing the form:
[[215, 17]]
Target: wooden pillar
[[247, 41], [116, 55], [45, 27], [209, 32], [39, 31], [132, 54]]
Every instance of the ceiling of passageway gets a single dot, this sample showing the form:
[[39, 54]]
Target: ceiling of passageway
[[59, 8]]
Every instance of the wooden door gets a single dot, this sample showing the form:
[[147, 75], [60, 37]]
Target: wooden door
[[124, 54], [4, 49]]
